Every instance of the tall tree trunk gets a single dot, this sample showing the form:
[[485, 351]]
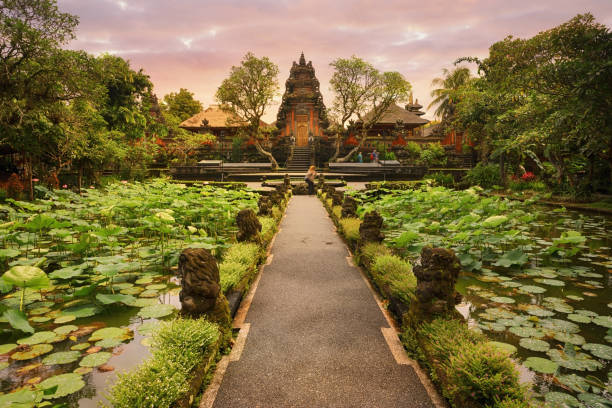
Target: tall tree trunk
[[28, 170], [269, 155], [502, 168], [80, 178], [337, 152]]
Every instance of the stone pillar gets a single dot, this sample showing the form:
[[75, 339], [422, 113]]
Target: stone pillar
[[436, 276], [200, 288]]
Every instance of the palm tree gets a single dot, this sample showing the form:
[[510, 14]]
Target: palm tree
[[443, 96]]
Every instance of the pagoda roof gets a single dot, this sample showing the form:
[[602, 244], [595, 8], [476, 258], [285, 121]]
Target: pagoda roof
[[395, 113], [216, 117]]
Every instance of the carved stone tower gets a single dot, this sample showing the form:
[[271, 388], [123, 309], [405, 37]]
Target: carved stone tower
[[302, 112]]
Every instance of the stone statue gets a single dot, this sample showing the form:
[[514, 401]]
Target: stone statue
[[199, 281], [370, 228], [349, 207], [248, 225]]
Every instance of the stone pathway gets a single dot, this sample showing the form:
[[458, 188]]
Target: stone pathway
[[315, 332]]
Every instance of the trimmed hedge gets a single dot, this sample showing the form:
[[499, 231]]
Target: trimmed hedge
[[350, 229], [391, 273], [179, 346]]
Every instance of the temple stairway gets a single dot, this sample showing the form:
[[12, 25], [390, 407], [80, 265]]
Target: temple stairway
[[300, 160]]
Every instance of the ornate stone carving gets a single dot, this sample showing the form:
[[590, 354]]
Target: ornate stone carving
[[199, 281], [349, 207], [249, 226], [370, 228]]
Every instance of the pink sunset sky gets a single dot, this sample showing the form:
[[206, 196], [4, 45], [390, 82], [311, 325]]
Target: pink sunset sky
[[193, 44]]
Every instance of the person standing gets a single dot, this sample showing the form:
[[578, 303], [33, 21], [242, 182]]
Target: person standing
[[309, 178], [359, 158], [375, 156]]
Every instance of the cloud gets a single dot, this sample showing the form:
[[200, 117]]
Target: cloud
[[193, 43]]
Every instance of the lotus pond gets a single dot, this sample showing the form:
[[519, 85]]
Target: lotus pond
[[85, 280], [537, 281]]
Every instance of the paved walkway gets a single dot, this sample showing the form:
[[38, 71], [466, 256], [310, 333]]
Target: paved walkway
[[315, 336]]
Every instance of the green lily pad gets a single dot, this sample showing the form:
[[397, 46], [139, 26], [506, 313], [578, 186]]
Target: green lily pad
[[157, 286], [505, 348], [109, 343], [574, 382], [156, 311], [541, 365], [64, 319], [111, 333], [66, 384], [79, 311], [539, 311], [80, 346], [513, 257], [534, 344], [149, 293], [62, 357], [35, 351], [27, 277], [586, 312], [141, 302], [494, 221], [39, 311], [558, 325], [579, 318], [38, 338], [131, 291], [527, 332], [144, 281], [604, 321], [9, 253], [3, 365], [510, 284], [574, 297], [578, 361], [148, 327], [532, 289], [107, 298], [569, 338], [502, 299], [40, 319], [599, 350], [7, 348], [95, 359], [550, 282], [63, 330], [561, 400], [20, 399], [82, 370], [594, 401]]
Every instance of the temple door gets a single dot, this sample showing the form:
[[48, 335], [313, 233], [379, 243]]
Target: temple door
[[302, 134]]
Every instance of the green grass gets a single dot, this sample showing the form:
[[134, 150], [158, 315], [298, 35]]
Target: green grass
[[337, 211], [370, 251], [245, 253], [231, 273], [350, 228], [268, 227], [178, 347], [393, 272]]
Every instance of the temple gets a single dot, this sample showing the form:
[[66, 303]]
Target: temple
[[302, 114]]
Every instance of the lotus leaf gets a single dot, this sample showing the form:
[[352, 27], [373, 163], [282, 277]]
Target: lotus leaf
[[95, 359], [23, 398], [64, 319], [80, 346], [536, 310], [599, 350], [541, 365], [40, 319], [67, 273], [527, 332], [27, 277], [561, 400], [604, 321], [17, 319], [534, 344], [148, 327], [532, 289], [574, 382], [111, 333], [109, 343], [569, 338], [494, 221], [85, 310], [82, 370], [579, 318], [149, 293], [3, 365], [594, 401], [39, 310], [62, 357], [142, 302], [131, 291], [107, 298], [513, 257], [144, 281], [9, 253], [574, 297], [503, 347], [156, 311], [492, 326], [63, 330], [38, 338], [165, 216], [7, 348], [579, 361], [550, 282], [558, 325], [157, 286], [502, 299], [510, 284], [34, 351], [66, 384]]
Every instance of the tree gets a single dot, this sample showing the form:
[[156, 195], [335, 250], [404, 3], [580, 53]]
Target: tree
[[247, 92], [445, 95], [363, 94], [181, 104]]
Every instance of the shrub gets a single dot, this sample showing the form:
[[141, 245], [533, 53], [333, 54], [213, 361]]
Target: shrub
[[484, 175], [441, 179], [268, 227], [371, 250], [350, 228], [446, 337], [337, 211], [230, 274], [433, 154], [246, 253], [178, 347], [512, 403], [481, 375], [276, 213], [393, 272], [414, 150]]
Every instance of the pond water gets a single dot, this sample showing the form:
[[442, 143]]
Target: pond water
[[556, 309]]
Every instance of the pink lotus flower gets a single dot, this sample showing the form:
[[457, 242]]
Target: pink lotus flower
[[124, 181], [92, 187], [35, 180], [65, 186]]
